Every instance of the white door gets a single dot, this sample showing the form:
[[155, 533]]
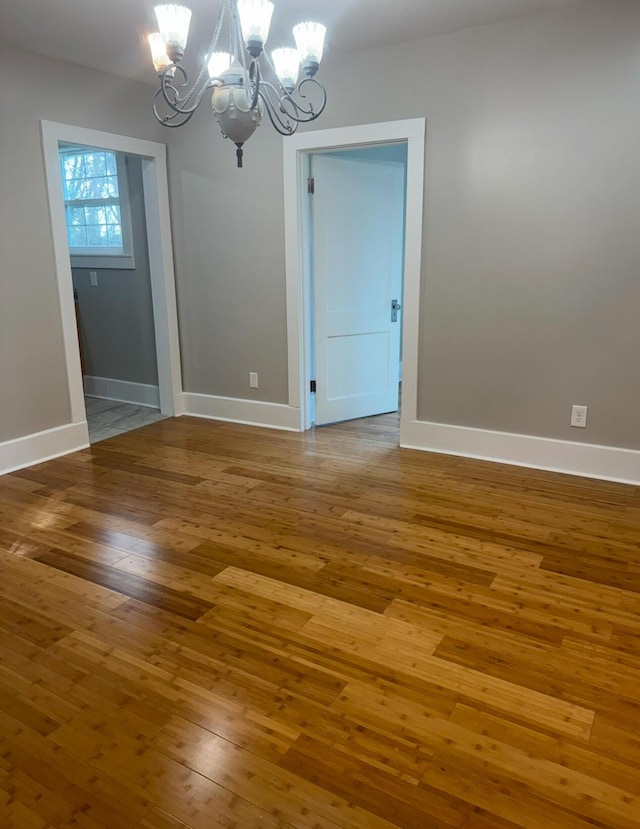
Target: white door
[[357, 259]]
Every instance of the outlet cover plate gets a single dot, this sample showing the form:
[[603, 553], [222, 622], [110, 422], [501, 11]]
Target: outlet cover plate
[[579, 416]]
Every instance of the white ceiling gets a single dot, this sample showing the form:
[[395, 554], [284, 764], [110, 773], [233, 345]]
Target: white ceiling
[[110, 34]]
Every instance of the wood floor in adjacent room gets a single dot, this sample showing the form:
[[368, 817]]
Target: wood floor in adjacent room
[[209, 625]]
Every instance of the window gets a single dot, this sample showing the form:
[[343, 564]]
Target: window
[[94, 184]]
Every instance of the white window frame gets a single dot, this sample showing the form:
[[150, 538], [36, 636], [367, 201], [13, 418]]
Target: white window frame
[[109, 258]]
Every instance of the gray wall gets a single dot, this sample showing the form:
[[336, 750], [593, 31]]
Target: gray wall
[[33, 382], [116, 316], [531, 244], [229, 252]]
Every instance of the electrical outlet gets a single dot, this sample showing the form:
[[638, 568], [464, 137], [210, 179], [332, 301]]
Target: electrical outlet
[[253, 379], [579, 416], [93, 278]]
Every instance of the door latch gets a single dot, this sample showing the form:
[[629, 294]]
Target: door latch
[[395, 307]]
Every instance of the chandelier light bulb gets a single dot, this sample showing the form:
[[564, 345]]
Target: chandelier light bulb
[[158, 52], [255, 19], [286, 62], [218, 63], [173, 23], [309, 39]]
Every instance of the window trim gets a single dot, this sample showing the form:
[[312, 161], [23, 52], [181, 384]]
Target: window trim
[[104, 259]]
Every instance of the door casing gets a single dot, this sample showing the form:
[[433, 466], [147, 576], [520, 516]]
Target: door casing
[[296, 150], [163, 293]]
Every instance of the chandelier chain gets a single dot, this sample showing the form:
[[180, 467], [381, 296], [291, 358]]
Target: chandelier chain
[[212, 47]]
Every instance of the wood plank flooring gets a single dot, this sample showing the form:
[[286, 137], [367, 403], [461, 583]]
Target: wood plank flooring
[[208, 625]]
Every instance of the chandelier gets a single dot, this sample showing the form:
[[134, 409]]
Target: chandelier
[[244, 80]]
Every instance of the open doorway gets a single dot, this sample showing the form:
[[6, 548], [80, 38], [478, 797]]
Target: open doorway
[[151, 157], [301, 315], [107, 240], [355, 237]]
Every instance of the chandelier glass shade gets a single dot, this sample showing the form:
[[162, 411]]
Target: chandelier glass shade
[[244, 80]]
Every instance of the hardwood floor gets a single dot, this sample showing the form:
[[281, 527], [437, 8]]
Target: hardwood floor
[[209, 625]]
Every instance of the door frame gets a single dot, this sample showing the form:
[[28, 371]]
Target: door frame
[[163, 293], [296, 150]]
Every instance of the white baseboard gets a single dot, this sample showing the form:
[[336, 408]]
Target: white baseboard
[[122, 391], [179, 404], [235, 410], [585, 459], [588, 460], [43, 446]]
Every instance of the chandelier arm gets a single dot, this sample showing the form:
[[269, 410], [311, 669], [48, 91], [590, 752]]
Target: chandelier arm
[[274, 92], [166, 119], [286, 97], [281, 126], [167, 85], [287, 103], [171, 93], [255, 80], [311, 111], [319, 86], [174, 101]]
